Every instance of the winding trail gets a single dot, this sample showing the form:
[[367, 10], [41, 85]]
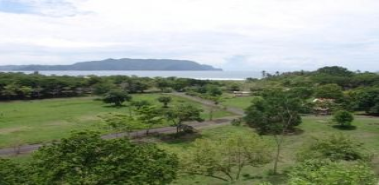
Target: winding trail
[[233, 110], [142, 133]]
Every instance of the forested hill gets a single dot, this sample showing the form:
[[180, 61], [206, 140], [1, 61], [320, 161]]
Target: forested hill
[[119, 64]]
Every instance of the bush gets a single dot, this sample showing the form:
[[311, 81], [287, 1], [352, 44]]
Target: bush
[[237, 122], [334, 148], [329, 173], [116, 97], [343, 118]]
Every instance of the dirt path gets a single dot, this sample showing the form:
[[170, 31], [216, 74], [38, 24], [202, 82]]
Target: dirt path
[[209, 103], [142, 133]]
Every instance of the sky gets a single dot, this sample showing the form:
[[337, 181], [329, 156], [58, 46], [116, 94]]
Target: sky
[[239, 35]]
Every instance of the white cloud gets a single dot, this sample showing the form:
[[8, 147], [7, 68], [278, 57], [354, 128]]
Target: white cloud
[[269, 34]]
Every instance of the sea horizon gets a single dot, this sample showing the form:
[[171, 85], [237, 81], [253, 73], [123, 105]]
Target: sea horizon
[[201, 75]]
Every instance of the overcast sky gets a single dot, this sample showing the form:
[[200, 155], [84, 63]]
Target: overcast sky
[[248, 35]]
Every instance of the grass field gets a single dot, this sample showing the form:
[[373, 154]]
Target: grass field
[[367, 132], [27, 122], [240, 102]]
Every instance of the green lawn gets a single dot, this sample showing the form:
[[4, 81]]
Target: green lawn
[[367, 132], [39, 121], [240, 102]]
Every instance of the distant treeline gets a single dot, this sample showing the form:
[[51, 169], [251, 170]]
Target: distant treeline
[[354, 91], [326, 75], [20, 86]]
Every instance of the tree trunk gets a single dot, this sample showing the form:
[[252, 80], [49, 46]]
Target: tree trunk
[[277, 156], [211, 114]]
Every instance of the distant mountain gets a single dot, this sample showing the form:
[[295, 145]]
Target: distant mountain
[[124, 64]]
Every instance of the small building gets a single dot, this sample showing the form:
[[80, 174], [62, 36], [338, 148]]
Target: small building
[[241, 93], [322, 106]]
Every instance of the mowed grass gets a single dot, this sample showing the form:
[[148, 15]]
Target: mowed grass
[[38, 121], [239, 102], [367, 132]]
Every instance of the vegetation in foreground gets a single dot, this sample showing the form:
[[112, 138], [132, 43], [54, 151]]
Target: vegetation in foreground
[[362, 141]]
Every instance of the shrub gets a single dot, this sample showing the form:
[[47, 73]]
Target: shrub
[[329, 173], [343, 118], [334, 148]]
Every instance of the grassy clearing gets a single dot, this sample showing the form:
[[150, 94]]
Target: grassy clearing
[[240, 102], [367, 132], [27, 122]]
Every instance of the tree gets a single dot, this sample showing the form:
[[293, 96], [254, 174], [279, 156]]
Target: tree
[[368, 100], [213, 90], [12, 173], [181, 113], [85, 158], [9, 91], [120, 123], [25, 91], [162, 84], [225, 159], [329, 91], [116, 97], [303, 93], [264, 74], [334, 148], [139, 104], [276, 112], [343, 118], [165, 100], [335, 70], [102, 88], [334, 75], [329, 173], [149, 115]]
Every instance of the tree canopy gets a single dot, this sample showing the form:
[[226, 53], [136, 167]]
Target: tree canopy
[[326, 172], [225, 159], [274, 111], [116, 97], [85, 158]]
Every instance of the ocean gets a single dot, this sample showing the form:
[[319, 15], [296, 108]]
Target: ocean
[[202, 75]]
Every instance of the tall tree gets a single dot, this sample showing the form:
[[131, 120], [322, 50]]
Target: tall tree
[[181, 113], [276, 113], [225, 159], [165, 100], [330, 91], [121, 123], [149, 116], [117, 97]]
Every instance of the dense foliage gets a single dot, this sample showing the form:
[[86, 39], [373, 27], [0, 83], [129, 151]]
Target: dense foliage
[[12, 173], [16, 86], [85, 158], [116, 97], [334, 148], [274, 112], [225, 159], [331, 173], [343, 118]]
